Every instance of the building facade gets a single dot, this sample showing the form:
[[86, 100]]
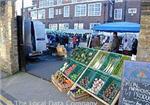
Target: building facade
[[144, 39], [83, 14]]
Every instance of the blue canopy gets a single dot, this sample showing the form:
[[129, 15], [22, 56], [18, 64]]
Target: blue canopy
[[118, 27]]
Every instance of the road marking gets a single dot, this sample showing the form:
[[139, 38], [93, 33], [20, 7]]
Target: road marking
[[5, 100]]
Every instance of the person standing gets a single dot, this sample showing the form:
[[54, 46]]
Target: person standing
[[78, 40], [95, 43], [115, 43], [74, 41], [134, 46]]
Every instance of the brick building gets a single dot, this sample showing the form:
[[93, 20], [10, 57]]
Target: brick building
[[144, 40], [83, 14]]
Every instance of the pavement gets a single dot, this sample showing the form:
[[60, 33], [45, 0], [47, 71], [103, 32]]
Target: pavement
[[25, 89], [44, 66], [3, 74]]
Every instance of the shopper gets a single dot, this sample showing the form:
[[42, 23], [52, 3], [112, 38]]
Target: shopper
[[134, 46], [74, 41], [95, 43], [115, 43], [78, 40]]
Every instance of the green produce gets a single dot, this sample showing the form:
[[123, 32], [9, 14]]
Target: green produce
[[83, 55], [118, 69]]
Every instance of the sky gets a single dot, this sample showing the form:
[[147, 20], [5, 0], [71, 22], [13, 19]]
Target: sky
[[27, 3]]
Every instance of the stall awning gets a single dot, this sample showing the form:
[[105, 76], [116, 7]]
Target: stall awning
[[77, 31], [118, 27]]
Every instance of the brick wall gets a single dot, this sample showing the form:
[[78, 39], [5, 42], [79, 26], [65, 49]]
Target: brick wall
[[8, 40], [144, 40]]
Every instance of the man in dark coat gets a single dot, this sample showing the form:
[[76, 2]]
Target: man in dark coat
[[115, 43]]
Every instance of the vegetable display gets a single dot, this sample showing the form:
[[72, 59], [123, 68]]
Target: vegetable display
[[83, 55], [95, 72]]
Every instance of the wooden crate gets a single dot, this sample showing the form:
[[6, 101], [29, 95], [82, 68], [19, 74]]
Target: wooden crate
[[75, 98], [59, 86]]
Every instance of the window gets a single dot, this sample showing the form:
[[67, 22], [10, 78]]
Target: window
[[45, 3], [132, 10], [53, 26], [118, 14], [66, 11], [116, 1], [111, 11], [59, 2], [51, 12], [94, 9], [78, 26], [41, 3], [56, 11], [60, 12], [34, 14], [41, 14], [63, 26], [51, 2], [80, 10]]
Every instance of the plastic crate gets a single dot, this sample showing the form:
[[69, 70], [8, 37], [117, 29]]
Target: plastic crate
[[98, 75], [76, 72], [89, 74], [102, 94], [118, 70], [99, 59], [110, 62], [83, 55], [69, 65]]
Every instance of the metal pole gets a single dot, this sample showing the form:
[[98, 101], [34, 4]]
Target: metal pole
[[23, 36], [22, 10]]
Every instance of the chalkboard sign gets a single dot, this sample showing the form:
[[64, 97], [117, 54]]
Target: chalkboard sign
[[135, 84]]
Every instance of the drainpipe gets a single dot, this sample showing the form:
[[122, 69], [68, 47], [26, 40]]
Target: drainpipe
[[125, 7], [105, 12]]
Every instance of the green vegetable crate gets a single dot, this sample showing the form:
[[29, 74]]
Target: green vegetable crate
[[110, 63], [110, 90], [118, 70], [83, 55], [100, 58]]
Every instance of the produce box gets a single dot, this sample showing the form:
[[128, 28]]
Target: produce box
[[110, 63], [118, 70], [83, 55], [89, 76], [78, 94], [70, 68], [65, 66], [97, 63], [76, 51], [86, 78], [97, 82], [110, 90], [76, 72], [62, 83]]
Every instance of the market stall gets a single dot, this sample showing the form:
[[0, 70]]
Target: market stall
[[128, 39], [91, 72]]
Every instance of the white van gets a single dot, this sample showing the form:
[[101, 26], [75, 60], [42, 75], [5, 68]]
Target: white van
[[35, 37]]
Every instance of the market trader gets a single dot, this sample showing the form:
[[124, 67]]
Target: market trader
[[115, 43]]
